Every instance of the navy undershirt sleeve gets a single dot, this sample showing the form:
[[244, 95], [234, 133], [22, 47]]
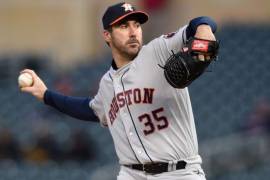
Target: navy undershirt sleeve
[[194, 23], [77, 107]]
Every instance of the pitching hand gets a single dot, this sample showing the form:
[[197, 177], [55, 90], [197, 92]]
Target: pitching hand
[[38, 88]]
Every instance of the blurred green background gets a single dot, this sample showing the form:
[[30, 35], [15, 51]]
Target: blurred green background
[[62, 41]]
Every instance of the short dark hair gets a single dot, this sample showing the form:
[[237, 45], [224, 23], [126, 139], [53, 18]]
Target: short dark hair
[[109, 29]]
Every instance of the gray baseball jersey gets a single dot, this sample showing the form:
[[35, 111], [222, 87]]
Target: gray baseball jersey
[[148, 119]]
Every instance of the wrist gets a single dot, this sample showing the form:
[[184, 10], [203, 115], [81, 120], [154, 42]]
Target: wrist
[[204, 31], [200, 21], [45, 97], [204, 27]]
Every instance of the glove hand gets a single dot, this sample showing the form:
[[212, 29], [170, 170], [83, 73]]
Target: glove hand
[[204, 32], [201, 49], [183, 68]]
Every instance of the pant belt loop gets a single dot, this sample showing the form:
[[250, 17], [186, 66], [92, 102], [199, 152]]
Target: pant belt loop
[[174, 165], [170, 166]]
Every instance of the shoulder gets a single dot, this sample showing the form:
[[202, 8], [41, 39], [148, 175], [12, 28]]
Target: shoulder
[[105, 80], [153, 44], [177, 36], [106, 77]]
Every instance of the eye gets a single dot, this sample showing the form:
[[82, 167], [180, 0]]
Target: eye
[[123, 26], [138, 24]]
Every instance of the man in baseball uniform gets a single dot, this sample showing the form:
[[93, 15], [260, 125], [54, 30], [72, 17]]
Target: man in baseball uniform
[[151, 123]]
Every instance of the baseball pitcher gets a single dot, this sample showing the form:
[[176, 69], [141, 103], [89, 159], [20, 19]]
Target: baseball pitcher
[[143, 98]]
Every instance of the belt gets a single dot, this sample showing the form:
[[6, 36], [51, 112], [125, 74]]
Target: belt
[[158, 167]]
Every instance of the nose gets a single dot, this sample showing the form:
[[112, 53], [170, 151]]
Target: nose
[[132, 31]]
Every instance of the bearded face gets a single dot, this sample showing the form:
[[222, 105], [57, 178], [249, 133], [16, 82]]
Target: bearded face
[[126, 38]]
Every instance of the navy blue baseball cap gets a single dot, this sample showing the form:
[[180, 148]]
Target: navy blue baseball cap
[[118, 12]]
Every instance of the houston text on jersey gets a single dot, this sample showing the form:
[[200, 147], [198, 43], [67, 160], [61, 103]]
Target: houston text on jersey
[[129, 97]]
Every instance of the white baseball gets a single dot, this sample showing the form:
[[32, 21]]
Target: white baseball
[[25, 80]]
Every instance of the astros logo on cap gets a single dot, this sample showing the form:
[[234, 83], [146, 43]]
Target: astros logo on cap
[[128, 7], [119, 11]]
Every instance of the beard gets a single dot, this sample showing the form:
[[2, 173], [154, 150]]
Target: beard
[[129, 49]]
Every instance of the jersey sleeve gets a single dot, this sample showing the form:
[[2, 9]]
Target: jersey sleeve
[[76, 107], [97, 105], [167, 44]]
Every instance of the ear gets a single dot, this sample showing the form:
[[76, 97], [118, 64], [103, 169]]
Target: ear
[[107, 36]]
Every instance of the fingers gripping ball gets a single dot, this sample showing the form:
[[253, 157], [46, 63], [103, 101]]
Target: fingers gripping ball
[[25, 80], [182, 68]]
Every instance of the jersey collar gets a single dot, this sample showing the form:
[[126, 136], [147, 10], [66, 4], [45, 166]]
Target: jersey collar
[[118, 71], [114, 65]]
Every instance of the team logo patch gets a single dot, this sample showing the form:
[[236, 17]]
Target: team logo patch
[[200, 45], [169, 35], [128, 7]]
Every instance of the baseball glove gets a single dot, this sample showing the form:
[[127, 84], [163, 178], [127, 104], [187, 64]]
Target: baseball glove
[[183, 68]]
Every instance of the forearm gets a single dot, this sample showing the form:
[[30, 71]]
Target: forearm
[[77, 107]]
